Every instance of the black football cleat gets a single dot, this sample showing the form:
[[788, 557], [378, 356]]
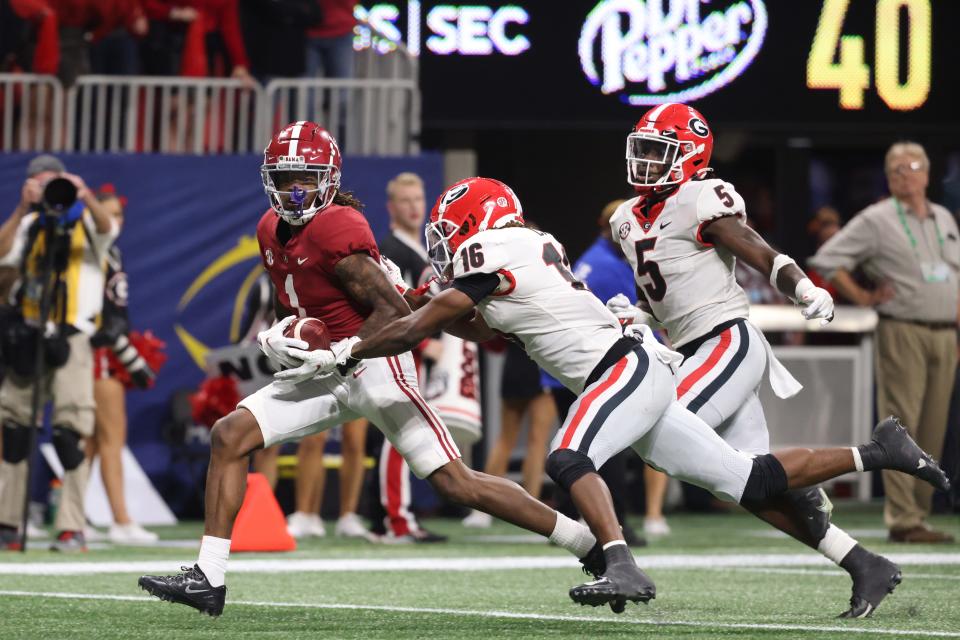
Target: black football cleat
[[190, 588], [895, 449], [620, 583], [874, 577], [594, 563]]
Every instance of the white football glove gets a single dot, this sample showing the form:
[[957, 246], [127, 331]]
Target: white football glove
[[628, 313], [664, 354], [394, 274], [277, 346], [815, 302], [320, 362]]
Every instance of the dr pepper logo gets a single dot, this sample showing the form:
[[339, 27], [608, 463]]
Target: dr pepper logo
[[653, 51]]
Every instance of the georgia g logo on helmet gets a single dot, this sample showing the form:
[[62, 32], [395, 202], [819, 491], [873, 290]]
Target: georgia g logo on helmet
[[301, 171], [667, 147], [465, 209]]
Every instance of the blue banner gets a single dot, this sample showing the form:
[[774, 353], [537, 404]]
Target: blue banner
[[190, 249]]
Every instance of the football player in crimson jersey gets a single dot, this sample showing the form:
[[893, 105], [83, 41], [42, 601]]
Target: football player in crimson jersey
[[683, 234], [516, 281], [324, 263]]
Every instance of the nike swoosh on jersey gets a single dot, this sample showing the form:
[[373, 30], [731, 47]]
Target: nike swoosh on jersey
[[665, 223], [356, 374], [302, 260]]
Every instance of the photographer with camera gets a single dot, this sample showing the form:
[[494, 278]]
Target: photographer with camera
[[60, 235]]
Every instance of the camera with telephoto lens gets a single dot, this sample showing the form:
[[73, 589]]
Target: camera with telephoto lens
[[59, 195]]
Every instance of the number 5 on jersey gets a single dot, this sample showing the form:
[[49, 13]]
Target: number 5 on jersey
[[657, 287]]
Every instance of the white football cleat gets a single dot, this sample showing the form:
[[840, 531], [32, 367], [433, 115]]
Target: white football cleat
[[34, 532], [655, 527], [131, 533], [478, 520]]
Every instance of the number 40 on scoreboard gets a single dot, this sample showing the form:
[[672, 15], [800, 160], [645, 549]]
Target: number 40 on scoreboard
[[849, 71]]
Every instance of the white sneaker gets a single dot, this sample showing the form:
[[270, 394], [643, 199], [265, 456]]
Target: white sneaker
[[477, 520], [655, 527], [92, 534], [300, 525], [317, 530], [349, 525], [131, 533]]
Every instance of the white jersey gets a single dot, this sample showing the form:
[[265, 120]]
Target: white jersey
[[561, 324], [689, 283]]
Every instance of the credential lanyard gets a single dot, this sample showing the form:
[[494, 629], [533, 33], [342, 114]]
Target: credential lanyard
[[910, 236]]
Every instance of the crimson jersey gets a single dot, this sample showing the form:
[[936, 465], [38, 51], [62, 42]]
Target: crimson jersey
[[302, 270]]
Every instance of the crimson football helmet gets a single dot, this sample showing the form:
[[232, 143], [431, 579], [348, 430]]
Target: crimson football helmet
[[669, 145], [465, 209], [298, 150]]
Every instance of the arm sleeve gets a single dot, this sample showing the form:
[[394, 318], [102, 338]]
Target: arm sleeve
[[850, 246], [478, 286], [349, 234]]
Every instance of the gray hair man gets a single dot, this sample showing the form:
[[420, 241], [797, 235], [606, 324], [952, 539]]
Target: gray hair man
[[910, 248]]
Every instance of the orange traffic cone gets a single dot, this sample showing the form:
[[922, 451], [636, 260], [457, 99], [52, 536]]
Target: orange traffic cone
[[260, 525]]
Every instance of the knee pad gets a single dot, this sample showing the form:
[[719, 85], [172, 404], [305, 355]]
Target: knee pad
[[767, 479], [16, 442], [566, 466], [813, 510], [68, 445]]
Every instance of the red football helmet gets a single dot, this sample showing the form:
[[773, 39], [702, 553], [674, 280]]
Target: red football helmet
[[669, 145], [464, 210], [297, 151]]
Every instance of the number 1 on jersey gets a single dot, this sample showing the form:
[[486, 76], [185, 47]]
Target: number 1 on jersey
[[559, 261], [294, 298]]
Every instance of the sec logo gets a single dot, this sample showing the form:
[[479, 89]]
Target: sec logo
[[268, 255], [624, 230]]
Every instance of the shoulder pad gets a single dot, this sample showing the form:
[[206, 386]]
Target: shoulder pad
[[717, 199], [486, 252]]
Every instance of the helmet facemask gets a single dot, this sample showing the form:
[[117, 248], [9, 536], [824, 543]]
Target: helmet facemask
[[300, 204], [655, 160], [438, 235]]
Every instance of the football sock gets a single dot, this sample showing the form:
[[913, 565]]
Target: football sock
[[572, 536], [213, 559], [836, 544], [617, 552]]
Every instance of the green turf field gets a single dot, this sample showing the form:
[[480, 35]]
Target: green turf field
[[717, 576]]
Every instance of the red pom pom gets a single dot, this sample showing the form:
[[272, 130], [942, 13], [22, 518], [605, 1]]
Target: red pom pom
[[312, 331], [215, 398]]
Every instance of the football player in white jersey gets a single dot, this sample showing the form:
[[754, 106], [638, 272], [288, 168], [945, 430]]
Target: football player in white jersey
[[517, 282], [683, 234]]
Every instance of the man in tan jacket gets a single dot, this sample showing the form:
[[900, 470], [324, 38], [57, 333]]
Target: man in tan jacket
[[910, 248]]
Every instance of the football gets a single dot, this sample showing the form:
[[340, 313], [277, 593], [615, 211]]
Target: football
[[312, 331]]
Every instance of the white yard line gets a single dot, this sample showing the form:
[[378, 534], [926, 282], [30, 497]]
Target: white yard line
[[512, 615], [495, 563], [836, 572]]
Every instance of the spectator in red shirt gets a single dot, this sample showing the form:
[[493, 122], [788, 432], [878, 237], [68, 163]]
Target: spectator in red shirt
[[195, 38], [330, 43]]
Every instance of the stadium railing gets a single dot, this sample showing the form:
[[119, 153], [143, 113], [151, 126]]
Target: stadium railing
[[29, 108], [156, 114], [143, 114]]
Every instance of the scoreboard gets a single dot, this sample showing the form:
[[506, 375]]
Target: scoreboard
[[814, 63]]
